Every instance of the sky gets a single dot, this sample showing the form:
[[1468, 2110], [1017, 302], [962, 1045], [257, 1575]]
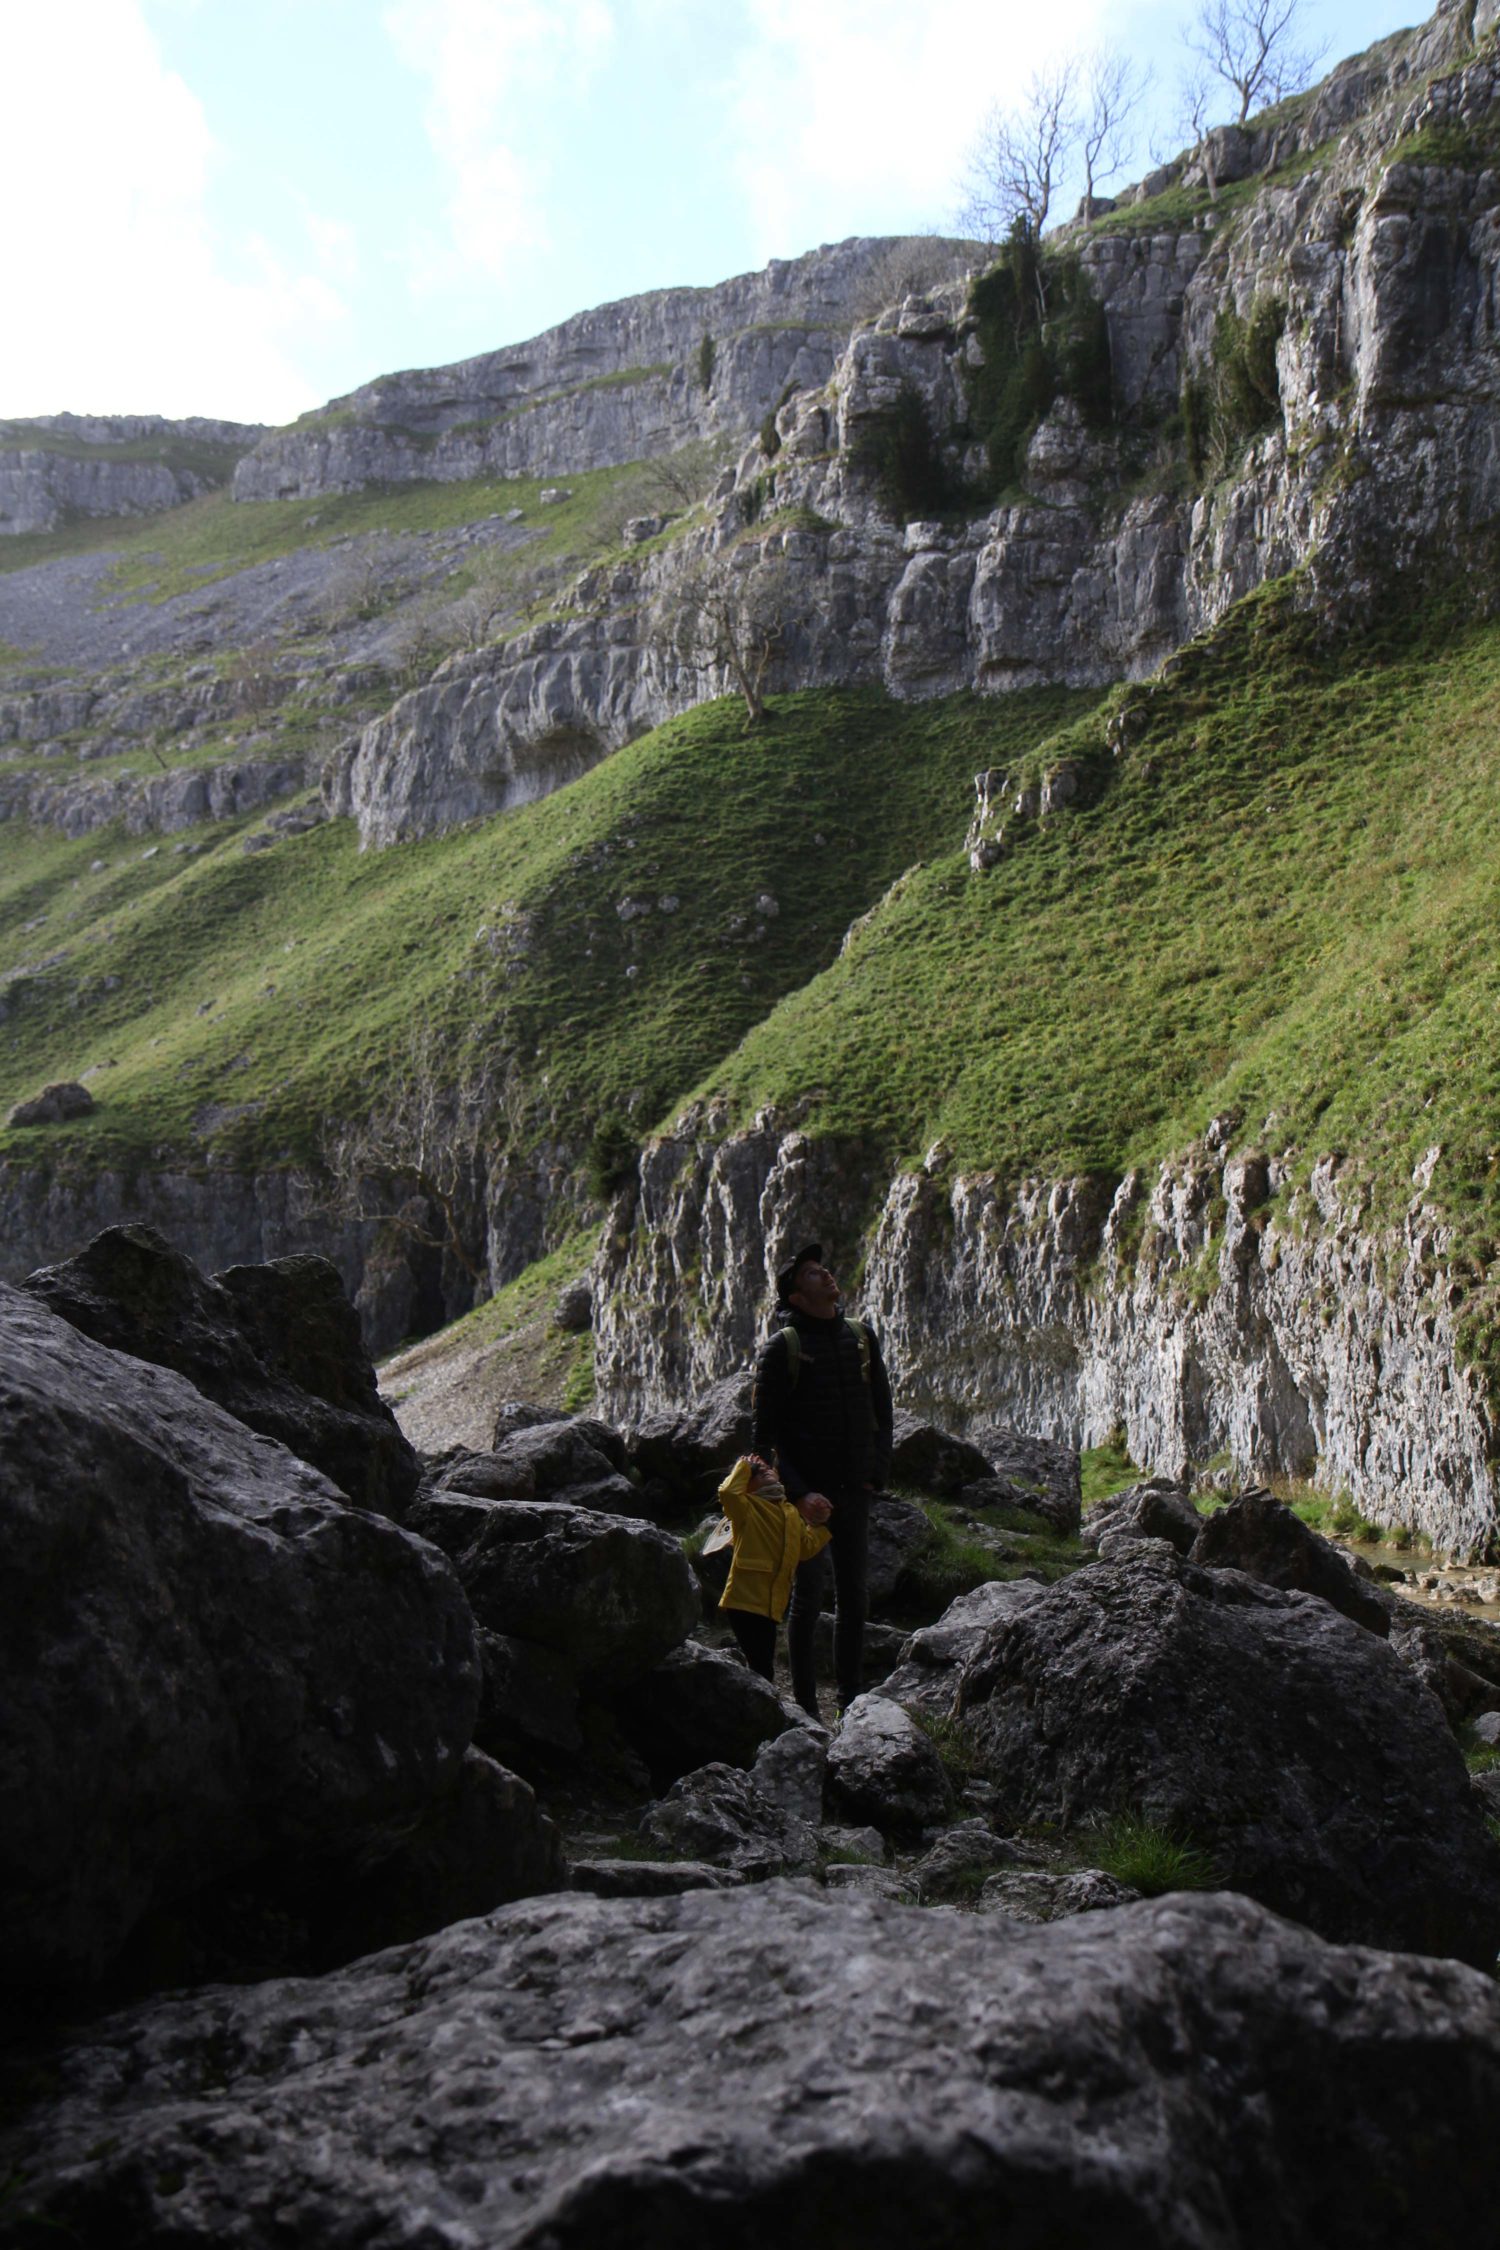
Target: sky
[[243, 208]]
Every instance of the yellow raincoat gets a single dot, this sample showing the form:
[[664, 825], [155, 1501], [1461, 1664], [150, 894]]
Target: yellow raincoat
[[770, 1540]]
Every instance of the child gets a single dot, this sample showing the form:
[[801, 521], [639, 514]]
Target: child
[[771, 1538]]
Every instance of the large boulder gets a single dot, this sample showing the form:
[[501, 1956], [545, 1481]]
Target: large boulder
[[609, 1594], [722, 1815], [278, 1346], [207, 1658], [698, 1707], [780, 2065], [898, 1532], [932, 1659], [1282, 1738], [1157, 1508], [528, 1706], [1035, 1473], [571, 1461], [882, 1768], [928, 1459], [691, 1453], [1259, 1535]]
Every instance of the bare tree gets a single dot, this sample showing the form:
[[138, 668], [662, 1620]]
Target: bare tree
[[1251, 47], [1198, 91], [726, 614], [1016, 162], [1113, 89]]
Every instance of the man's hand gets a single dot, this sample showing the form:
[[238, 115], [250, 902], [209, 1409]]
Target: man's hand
[[813, 1508]]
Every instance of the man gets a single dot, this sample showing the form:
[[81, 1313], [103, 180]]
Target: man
[[822, 1407]]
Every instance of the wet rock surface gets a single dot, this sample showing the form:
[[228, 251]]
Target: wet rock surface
[[1283, 1739], [780, 2064]]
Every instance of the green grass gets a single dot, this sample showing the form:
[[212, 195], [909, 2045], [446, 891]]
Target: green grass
[[212, 536], [954, 1745], [1333, 1514], [1279, 904], [313, 961], [1150, 1858], [1105, 1469]]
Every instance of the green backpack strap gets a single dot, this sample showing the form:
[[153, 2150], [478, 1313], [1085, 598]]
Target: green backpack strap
[[793, 1343]]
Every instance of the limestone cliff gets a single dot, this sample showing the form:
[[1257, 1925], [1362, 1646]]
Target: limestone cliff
[[56, 467], [1362, 225]]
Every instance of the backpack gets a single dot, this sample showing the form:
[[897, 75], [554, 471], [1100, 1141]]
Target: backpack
[[793, 1343]]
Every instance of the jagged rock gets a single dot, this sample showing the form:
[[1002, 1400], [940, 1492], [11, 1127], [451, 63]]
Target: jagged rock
[[1039, 1473], [57, 1104], [1036, 1894], [898, 1531], [882, 1768], [791, 1768], [649, 1878], [837, 1842], [1258, 1535], [722, 1815], [278, 1346], [1157, 1508], [574, 1310], [1457, 1657], [1487, 1729], [519, 1414], [1486, 1788], [479, 1845], [1275, 1733], [932, 1659], [209, 1658], [500, 1475], [43, 485], [528, 1705], [693, 1452], [565, 1461], [927, 1457], [958, 1860], [1181, 2073], [610, 1595], [698, 1706], [869, 1882]]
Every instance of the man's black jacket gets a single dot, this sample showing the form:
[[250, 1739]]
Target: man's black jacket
[[830, 1428]]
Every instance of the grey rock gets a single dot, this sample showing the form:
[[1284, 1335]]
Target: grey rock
[[869, 1882], [791, 1768], [898, 1531], [1037, 1894], [721, 1815], [648, 1878], [932, 1659], [927, 1457], [1040, 1473], [699, 1706], [210, 1658], [1487, 1729], [863, 1843], [880, 1649], [528, 1706], [277, 1345], [57, 1104], [1283, 1739], [1157, 1508], [883, 1769], [574, 1309], [1486, 1787], [610, 1595], [693, 1451], [1257, 1534], [1180, 2073], [958, 1861], [55, 467], [479, 1845]]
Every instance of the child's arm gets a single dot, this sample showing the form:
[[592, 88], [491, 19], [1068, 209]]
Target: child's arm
[[734, 1492]]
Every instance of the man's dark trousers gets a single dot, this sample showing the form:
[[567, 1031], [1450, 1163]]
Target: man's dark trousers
[[847, 1555]]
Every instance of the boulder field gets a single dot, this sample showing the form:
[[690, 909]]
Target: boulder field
[[504, 1906]]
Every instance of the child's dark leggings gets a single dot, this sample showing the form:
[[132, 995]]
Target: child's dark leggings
[[757, 1639]]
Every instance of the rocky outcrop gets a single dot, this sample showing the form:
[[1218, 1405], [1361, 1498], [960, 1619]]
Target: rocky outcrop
[[1378, 266], [276, 1345], [1183, 2073], [1279, 1737], [210, 1658], [1226, 1305], [59, 466], [623, 382], [158, 804], [49, 1213]]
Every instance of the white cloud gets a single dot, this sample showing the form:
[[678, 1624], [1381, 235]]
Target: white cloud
[[855, 115], [120, 294], [494, 68]]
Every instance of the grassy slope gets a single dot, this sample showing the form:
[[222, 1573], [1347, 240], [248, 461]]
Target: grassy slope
[[313, 962], [1282, 902]]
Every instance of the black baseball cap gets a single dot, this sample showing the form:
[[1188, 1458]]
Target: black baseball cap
[[811, 1253]]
